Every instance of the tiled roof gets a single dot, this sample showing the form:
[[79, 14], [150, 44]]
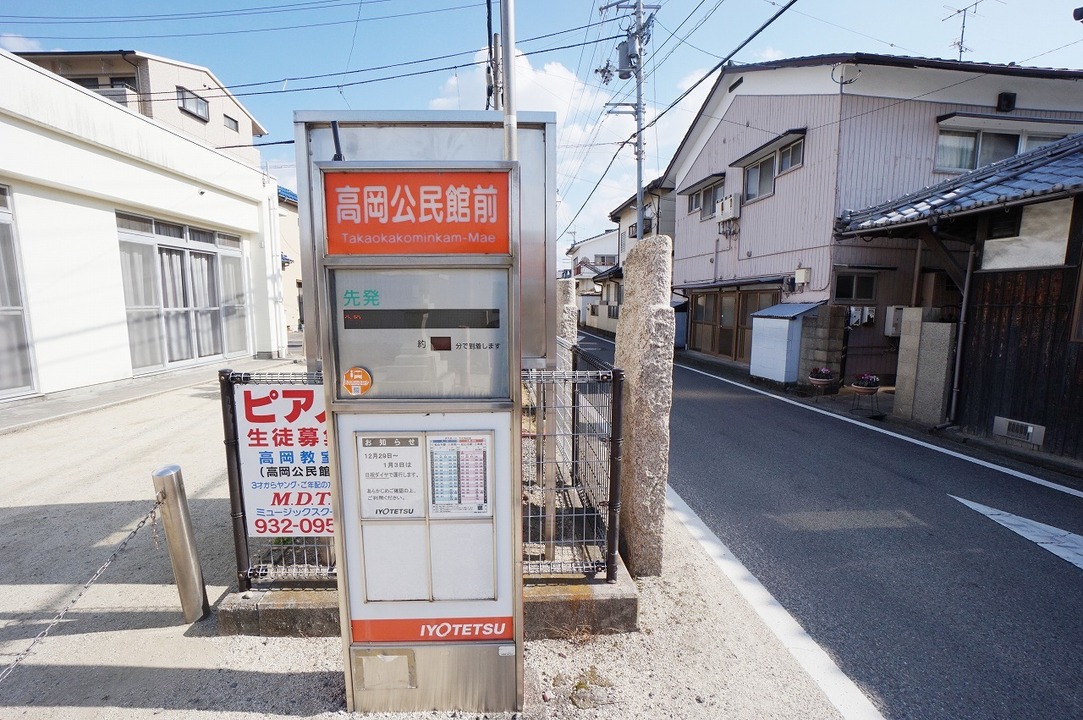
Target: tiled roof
[[1054, 169]]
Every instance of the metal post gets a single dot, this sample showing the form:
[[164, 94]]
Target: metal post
[[616, 452], [233, 479], [511, 120], [639, 51], [169, 486]]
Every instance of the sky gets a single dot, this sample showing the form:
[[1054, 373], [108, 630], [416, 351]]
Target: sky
[[426, 54]]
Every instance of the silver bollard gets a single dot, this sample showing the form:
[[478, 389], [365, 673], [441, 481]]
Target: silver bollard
[[169, 486]]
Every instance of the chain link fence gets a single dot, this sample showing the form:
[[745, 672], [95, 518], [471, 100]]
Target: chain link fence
[[571, 466]]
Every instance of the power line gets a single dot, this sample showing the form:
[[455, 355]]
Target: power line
[[673, 104], [168, 96], [172, 17], [249, 30]]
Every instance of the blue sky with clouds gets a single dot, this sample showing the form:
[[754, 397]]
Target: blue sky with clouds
[[420, 54]]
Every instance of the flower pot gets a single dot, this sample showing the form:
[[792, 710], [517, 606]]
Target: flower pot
[[865, 390], [821, 382]]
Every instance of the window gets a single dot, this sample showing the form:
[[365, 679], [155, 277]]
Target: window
[[711, 196], [191, 103], [694, 202], [1005, 223], [183, 292], [231, 123], [16, 374], [760, 178], [605, 259], [857, 288], [959, 150], [706, 200], [791, 156]]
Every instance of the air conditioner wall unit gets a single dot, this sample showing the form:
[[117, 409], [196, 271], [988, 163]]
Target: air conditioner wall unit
[[893, 320], [729, 207]]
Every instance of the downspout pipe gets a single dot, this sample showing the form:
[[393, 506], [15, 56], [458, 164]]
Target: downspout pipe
[[960, 334]]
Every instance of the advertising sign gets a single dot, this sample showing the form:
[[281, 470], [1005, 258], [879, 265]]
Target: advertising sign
[[417, 213], [285, 468]]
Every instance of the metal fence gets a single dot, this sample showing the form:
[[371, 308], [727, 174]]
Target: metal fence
[[571, 466], [286, 558]]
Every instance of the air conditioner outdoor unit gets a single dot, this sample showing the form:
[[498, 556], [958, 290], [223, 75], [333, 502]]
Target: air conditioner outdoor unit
[[729, 207]]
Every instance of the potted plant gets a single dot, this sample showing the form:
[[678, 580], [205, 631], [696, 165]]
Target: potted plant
[[866, 384], [821, 376]]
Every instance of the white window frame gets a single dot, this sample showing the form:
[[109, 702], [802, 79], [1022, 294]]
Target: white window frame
[[221, 246], [193, 104], [755, 186], [7, 217], [231, 123], [709, 202], [694, 202], [1023, 143]]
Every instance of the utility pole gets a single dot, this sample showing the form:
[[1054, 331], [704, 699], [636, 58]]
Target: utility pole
[[630, 54], [511, 120]]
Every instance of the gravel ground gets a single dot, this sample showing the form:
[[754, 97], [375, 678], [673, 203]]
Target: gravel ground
[[74, 487]]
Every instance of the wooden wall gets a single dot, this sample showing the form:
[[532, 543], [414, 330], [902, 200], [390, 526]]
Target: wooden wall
[[1018, 358]]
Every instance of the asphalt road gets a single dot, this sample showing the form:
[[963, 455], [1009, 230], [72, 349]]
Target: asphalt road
[[932, 608]]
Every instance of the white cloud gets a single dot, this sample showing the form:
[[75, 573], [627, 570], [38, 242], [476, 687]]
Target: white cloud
[[18, 43], [769, 54], [588, 136]]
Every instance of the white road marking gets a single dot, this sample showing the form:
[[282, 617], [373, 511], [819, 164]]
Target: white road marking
[[929, 446], [840, 690], [1065, 545]]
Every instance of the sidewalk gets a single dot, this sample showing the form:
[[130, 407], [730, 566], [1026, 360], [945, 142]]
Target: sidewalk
[[77, 480]]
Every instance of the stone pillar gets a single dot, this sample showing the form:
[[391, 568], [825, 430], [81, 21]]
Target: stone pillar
[[645, 353], [569, 311], [924, 374]]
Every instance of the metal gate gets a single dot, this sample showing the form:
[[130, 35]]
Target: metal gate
[[571, 466]]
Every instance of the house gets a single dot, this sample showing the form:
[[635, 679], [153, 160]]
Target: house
[[780, 149], [187, 97], [128, 248], [658, 218], [589, 258], [1014, 372], [289, 224]]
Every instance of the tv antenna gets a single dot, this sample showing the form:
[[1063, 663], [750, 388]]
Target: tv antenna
[[972, 8]]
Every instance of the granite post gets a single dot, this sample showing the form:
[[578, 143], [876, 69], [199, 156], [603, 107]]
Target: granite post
[[645, 353]]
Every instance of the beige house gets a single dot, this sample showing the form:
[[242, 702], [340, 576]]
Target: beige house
[[780, 149], [187, 97]]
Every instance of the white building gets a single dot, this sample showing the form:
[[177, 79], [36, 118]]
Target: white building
[[127, 247], [590, 257]]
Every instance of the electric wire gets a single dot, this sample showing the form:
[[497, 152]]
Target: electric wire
[[679, 98], [170, 17], [245, 31]]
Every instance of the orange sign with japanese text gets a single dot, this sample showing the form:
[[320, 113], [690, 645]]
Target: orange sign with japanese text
[[429, 212]]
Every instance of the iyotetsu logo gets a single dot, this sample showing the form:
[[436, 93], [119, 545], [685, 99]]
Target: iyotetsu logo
[[446, 630]]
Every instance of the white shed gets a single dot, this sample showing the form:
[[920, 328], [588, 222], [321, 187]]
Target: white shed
[[776, 341]]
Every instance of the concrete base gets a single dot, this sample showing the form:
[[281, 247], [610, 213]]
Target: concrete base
[[281, 612], [555, 606], [562, 606]]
